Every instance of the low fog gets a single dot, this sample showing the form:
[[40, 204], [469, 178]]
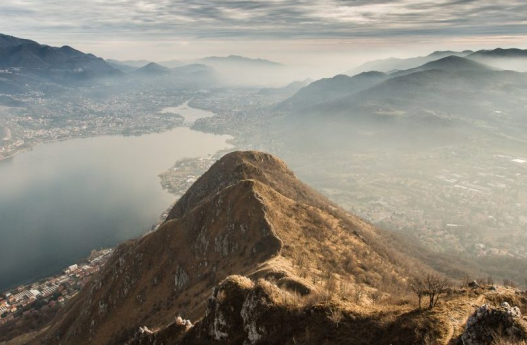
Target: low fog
[[430, 145]]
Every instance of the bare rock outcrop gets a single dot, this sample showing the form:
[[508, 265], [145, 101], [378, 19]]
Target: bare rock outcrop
[[488, 323]]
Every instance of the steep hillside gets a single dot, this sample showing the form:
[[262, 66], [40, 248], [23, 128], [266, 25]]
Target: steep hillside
[[426, 90], [15, 52], [248, 215], [284, 265], [328, 89], [394, 64], [448, 98], [30, 60], [450, 64]]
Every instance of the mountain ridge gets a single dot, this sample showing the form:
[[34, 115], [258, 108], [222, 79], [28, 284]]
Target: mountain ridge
[[284, 266], [499, 58], [240, 59], [390, 64], [247, 215], [449, 63], [16, 52], [152, 69], [398, 96], [500, 52], [328, 89], [35, 63]]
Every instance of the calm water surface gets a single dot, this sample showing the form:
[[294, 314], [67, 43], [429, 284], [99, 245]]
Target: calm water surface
[[189, 114], [63, 199]]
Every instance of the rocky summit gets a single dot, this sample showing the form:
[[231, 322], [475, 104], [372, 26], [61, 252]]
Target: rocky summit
[[251, 255]]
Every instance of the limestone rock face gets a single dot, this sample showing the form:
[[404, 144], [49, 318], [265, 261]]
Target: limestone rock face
[[488, 322], [238, 313], [223, 320]]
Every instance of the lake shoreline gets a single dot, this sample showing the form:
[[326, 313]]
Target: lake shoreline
[[162, 217], [169, 146], [50, 141], [162, 111]]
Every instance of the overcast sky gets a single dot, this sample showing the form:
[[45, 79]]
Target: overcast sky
[[310, 31]]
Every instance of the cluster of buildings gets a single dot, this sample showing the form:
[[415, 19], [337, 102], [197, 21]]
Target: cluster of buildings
[[41, 119], [178, 179], [474, 202], [239, 113], [50, 292]]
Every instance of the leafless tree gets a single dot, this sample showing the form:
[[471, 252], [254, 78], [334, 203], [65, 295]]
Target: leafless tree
[[436, 286], [418, 287], [431, 286]]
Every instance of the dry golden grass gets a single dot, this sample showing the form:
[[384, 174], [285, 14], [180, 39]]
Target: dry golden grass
[[321, 268], [24, 338]]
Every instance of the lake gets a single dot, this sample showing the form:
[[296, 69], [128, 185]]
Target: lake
[[189, 114], [63, 199]]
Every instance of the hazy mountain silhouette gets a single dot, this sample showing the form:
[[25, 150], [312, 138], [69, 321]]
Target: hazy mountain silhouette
[[239, 61], [152, 69], [327, 89], [450, 63], [509, 59], [395, 64]]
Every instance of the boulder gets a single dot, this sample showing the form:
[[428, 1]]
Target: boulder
[[487, 322]]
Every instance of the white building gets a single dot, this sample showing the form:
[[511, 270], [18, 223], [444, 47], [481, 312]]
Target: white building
[[71, 269]]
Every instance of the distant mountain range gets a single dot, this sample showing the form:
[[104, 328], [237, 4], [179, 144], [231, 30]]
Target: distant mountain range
[[452, 95], [508, 59], [192, 75], [233, 70], [240, 60], [450, 63], [27, 66], [500, 53], [327, 89], [395, 64], [131, 65], [231, 60], [496, 58], [152, 69]]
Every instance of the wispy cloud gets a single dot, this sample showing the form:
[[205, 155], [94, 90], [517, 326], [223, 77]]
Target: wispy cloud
[[273, 19], [191, 20]]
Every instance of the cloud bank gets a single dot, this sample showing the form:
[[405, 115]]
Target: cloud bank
[[227, 20]]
